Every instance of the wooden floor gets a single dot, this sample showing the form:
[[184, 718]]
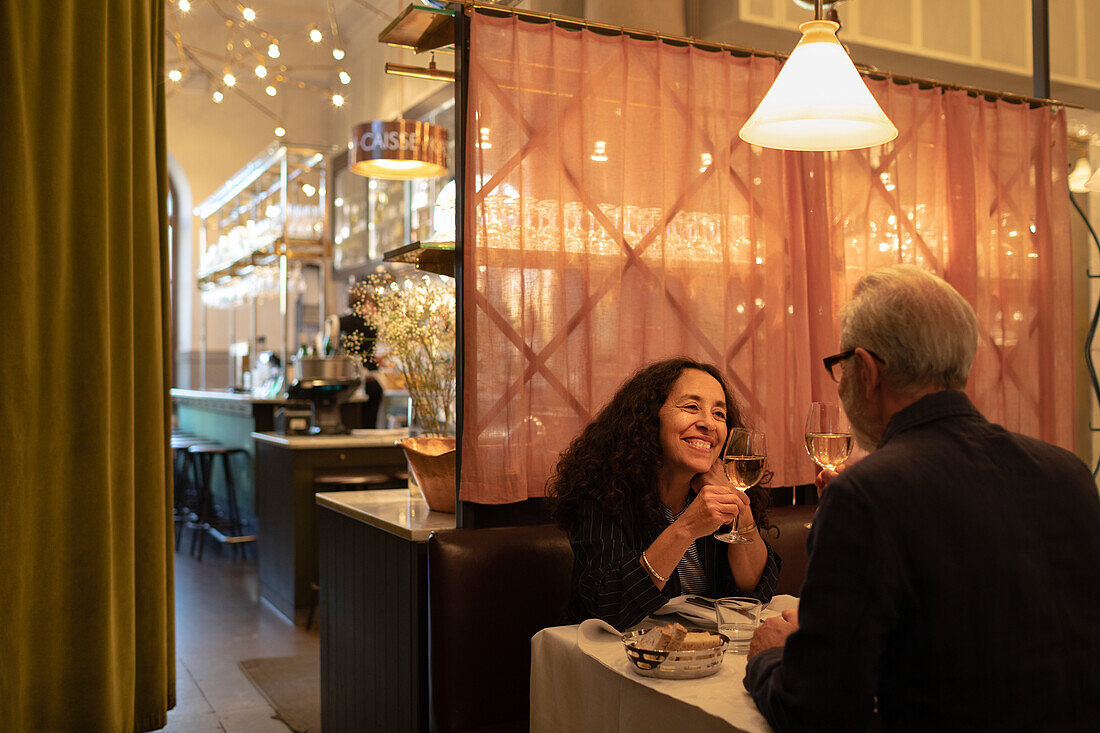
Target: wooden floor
[[220, 620]]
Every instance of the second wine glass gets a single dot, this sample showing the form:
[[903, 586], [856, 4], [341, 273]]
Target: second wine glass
[[828, 436], [744, 458]]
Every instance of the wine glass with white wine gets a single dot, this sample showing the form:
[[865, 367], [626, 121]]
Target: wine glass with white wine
[[828, 436], [744, 457]]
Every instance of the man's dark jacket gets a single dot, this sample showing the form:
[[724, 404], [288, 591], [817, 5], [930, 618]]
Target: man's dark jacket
[[954, 574]]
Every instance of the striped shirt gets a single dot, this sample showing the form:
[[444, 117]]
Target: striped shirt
[[610, 583], [690, 568]]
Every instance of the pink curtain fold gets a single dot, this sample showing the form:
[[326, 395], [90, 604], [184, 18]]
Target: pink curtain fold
[[616, 218]]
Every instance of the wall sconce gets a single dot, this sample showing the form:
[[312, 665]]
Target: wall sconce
[[398, 150]]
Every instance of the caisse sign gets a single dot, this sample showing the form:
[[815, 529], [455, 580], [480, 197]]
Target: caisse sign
[[399, 149]]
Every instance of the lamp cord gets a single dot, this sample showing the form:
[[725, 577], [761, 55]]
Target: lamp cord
[[1093, 323]]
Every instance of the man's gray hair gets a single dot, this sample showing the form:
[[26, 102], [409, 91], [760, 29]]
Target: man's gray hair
[[924, 332]]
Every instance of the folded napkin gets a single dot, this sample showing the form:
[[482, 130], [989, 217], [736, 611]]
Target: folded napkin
[[694, 612]]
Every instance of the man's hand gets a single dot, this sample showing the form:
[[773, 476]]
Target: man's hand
[[823, 480], [773, 632]]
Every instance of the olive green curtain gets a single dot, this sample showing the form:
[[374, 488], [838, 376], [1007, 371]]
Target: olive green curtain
[[86, 608]]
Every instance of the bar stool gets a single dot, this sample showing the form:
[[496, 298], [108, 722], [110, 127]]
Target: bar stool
[[185, 481], [207, 520], [350, 482]]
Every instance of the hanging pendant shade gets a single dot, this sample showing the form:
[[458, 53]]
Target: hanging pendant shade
[[818, 101], [1093, 183], [1080, 176], [398, 150]]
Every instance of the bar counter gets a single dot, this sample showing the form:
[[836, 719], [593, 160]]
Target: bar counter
[[374, 609], [286, 469]]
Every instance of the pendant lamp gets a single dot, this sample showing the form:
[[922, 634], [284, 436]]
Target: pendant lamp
[[818, 101], [398, 150], [1093, 183], [1080, 176]]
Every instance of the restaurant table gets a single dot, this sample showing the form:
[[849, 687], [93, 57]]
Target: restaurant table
[[581, 680]]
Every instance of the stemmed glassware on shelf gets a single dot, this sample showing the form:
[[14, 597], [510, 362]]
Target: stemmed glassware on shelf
[[828, 436], [744, 457]]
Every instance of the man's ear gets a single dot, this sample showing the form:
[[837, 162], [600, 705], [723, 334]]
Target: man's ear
[[872, 375]]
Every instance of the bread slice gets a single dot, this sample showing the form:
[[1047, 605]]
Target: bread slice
[[699, 640], [662, 638]]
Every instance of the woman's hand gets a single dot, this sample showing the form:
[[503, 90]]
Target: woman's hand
[[715, 504]]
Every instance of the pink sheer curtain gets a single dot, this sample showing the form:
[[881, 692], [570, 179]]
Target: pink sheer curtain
[[616, 218]]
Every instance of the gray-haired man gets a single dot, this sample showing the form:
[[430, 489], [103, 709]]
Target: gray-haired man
[[954, 572]]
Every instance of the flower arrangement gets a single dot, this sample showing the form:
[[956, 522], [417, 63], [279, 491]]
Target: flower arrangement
[[415, 325]]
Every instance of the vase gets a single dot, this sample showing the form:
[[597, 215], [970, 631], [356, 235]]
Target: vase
[[432, 461]]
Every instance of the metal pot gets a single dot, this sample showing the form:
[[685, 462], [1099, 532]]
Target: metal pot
[[333, 369]]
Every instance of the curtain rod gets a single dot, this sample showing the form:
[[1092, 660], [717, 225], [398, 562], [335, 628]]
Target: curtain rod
[[704, 45]]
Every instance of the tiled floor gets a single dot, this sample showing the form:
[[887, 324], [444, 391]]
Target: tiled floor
[[220, 620]]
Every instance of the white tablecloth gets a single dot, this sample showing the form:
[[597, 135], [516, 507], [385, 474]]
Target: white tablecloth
[[581, 680]]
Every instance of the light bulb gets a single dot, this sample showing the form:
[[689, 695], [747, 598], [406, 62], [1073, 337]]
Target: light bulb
[[229, 79], [273, 50], [175, 74], [308, 190], [271, 91], [338, 100], [279, 132], [249, 14], [185, 6], [338, 53], [261, 71], [217, 96], [345, 77], [315, 35]]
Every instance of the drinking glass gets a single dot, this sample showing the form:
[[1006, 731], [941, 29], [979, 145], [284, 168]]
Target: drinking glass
[[737, 620], [743, 459], [828, 436]]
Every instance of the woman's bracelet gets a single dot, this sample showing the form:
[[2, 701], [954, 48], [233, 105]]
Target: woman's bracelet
[[650, 570], [750, 528]]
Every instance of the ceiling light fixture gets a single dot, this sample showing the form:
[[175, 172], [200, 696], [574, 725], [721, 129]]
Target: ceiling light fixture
[[818, 101], [1080, 175], [398, 150], [419, 72]]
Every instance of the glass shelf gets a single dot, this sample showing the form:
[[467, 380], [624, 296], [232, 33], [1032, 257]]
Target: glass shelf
[[436, 257]]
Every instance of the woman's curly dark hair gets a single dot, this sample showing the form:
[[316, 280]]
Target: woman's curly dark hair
[[615, 459]]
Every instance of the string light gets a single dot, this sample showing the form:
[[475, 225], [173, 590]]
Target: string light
[[241, 59], [279, 132], [308, 190]]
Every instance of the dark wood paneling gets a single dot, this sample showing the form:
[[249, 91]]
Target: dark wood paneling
[[374, 655], [286, 513]]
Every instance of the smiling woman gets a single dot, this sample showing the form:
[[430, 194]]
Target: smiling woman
[[641, 490]]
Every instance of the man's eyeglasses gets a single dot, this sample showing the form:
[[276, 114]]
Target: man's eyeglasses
[[832, 361]]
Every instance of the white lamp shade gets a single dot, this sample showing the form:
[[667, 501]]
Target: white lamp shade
[[1093, 183], [818, 101], [1080, 175]]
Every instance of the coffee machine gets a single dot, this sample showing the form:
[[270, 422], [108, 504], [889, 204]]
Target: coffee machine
[[326, 382]]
